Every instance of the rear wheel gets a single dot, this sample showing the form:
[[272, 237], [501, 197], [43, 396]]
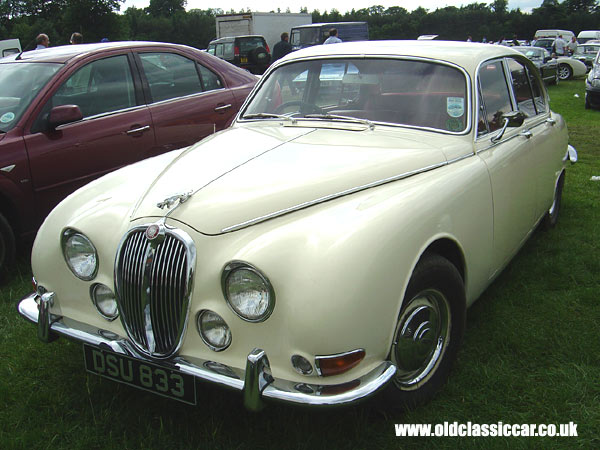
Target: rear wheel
[[428, 332], [7, 246], [565, 72], [551, 218]]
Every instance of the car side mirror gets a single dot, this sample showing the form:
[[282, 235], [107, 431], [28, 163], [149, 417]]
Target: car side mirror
[[60, 115], [511, 119]]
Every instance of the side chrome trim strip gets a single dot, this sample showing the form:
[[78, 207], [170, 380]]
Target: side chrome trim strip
[[350, 191], [257, 385]]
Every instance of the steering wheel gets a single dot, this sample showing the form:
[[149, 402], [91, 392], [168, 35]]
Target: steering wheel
[[305, 107]]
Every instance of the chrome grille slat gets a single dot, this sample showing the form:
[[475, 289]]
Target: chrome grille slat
[[155, 275]]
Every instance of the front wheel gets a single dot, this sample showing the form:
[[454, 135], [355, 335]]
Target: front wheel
[[428, 332]]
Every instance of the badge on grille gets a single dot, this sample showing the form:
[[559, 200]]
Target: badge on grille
[[152, 232]]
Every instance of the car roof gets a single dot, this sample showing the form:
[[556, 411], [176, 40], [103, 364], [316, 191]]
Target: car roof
[[466, 54], [64, 53], [231, 38], [327, 24]]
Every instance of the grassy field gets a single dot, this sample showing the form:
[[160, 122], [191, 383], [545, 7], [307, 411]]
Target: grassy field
[[531, 355]]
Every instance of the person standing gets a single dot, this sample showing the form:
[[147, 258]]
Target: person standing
[[332, 39], [282, 48], [559, 46], [76, 38], [42, 41], [572, 46]]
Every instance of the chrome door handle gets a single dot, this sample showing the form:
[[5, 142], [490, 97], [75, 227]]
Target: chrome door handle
[[138, 130], [550, 121], [222, 108], [526, 133]]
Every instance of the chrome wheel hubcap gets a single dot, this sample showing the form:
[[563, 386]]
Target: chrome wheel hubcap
[[421, 338]]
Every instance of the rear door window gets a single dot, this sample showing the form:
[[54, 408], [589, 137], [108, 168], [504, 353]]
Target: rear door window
[[494, 97], [170, 75]]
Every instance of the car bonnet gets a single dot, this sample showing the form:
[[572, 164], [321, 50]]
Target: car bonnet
[[248, 174]]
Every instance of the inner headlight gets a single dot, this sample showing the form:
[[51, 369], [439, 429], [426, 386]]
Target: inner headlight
[[80, 254], [104, 300], [247, 291]]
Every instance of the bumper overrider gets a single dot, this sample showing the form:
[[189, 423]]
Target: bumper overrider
[[255, 382]]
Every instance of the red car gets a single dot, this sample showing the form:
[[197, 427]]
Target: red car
[[71, 114]]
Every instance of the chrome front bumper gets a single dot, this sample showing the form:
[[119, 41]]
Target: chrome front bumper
[[256, 381]]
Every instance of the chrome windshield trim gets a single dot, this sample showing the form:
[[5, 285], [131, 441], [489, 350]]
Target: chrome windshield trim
[[329, 197], [278, 389]]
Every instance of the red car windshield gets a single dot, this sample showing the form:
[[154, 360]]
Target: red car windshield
[[19, 85]]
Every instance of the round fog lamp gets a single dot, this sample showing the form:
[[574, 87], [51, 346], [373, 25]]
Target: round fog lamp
[[104, 300], [80, 255], [248, 292], [213, 330]]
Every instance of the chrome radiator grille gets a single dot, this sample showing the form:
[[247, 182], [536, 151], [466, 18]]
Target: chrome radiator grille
[[153, 281]]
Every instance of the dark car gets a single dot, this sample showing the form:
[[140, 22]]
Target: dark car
[[547, 65], [545, 43], [311, 34], [71, 114], [586, 53], [592, 85], [248, 52]]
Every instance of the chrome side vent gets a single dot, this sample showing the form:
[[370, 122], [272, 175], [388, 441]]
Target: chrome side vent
[[153, 279]]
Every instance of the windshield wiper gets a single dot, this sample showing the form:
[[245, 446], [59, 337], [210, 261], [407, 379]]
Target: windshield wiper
[[367, 122], [269, 116]]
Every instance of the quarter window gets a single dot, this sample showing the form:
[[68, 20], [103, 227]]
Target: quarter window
[[522, 87], [210, 81], [170, 75]]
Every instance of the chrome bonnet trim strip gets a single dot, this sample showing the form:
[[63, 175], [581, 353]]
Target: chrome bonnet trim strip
[[336, 195], [277, 389]]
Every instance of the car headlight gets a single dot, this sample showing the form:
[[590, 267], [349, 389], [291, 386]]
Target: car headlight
[[80, 254], [213, 330], [248, 292], [596, 82], [105, 301]]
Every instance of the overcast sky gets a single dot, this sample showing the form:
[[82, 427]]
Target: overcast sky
[[341, 5]]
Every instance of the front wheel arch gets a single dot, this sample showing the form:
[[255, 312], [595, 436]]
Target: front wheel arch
[[428, 331]]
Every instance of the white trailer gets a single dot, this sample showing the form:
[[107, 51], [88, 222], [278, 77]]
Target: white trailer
[[269, 25]]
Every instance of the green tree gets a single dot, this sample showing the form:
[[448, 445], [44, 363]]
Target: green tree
[[166, 8]]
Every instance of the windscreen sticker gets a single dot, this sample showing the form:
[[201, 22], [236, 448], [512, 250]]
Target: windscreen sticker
[[455, 106], [7, 117]]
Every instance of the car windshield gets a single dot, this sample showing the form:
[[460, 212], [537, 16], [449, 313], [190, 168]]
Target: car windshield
[[19, 84], [384, 91], [587, 49], [531, 53]]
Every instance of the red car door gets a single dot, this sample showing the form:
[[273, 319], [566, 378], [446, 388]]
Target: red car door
[[187, 100], [116, 130]]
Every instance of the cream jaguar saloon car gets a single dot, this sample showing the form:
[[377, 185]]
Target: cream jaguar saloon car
[[326, 246]]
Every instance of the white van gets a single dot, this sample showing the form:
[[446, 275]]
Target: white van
[[566, 34], [9, 46], [588, 35]]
